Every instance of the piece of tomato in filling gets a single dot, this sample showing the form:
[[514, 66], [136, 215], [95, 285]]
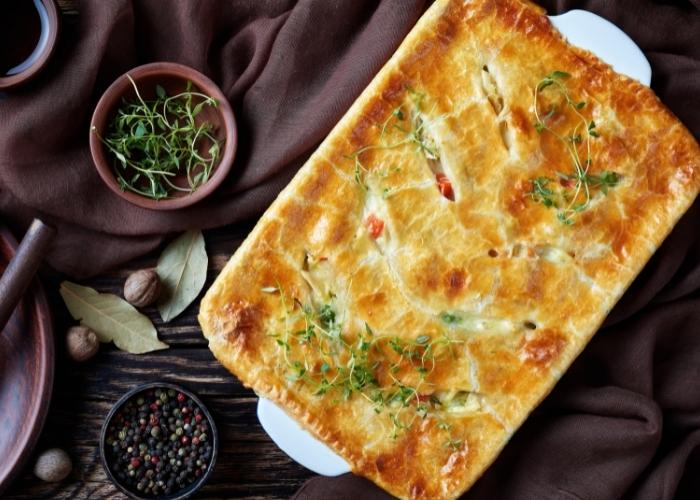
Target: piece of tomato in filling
[[445, 186], [567, 182], [374, 225]]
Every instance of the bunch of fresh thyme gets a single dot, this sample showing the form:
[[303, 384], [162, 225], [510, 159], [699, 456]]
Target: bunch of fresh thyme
[[580, 180], [153, 141]]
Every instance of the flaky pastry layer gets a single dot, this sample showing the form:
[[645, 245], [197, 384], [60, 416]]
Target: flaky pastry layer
[[417, 223]]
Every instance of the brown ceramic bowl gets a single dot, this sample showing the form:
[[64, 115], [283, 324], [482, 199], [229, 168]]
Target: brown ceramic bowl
[[173, 78], [24, 31]]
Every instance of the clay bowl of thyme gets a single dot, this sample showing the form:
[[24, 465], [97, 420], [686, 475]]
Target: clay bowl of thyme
[[158, 441], [163, 136]]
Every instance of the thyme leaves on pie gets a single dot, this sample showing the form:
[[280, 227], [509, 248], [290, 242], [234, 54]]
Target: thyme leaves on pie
[[407, 119], [571, 193], [450, 318], [390, 372]]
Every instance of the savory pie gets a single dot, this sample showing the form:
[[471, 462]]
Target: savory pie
[[452, 246]]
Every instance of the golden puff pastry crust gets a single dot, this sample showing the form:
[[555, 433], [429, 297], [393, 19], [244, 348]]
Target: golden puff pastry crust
[[451, 247]]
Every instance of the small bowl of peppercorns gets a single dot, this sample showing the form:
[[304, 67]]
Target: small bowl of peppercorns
[[158, 441]]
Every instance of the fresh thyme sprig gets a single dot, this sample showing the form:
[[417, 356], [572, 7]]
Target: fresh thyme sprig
[[451, 442], [413, 130], [580, 137], [390, 372], [155, 140]]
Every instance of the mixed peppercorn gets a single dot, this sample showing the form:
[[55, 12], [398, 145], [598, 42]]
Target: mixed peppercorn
[[158, 443]]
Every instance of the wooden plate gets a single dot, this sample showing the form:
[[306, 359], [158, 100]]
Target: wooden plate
[[26, 373]]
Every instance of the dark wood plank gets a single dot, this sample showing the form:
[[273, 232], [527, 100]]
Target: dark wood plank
[[112, 372]]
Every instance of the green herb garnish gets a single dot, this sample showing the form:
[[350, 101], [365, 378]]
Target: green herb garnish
[[392, 373], [156, 140], [450, 318], [542, 193], [413, 129], [573, 193]]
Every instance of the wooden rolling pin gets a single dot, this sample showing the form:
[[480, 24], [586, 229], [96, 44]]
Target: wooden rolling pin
[[22, 268]]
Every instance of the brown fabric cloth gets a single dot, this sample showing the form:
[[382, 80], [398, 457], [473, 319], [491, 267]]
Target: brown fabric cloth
[[624, 422], [291, 69]]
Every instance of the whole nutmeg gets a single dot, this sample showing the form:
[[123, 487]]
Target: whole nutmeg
[[81, 343], [53, 465], [142, 288]]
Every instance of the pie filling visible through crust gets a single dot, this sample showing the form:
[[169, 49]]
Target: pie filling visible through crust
[[450, 248]]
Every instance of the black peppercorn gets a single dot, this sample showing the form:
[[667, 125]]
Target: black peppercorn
[[156, 443]]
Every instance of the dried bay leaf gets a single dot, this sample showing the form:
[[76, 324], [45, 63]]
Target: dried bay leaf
[[111, 318], [182, 269]]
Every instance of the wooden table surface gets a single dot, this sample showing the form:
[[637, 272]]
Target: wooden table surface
[[249, 464]]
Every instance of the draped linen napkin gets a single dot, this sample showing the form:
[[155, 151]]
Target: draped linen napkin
[[623, 422]]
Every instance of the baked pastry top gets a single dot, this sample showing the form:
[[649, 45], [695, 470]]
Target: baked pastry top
[[450, 248]]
